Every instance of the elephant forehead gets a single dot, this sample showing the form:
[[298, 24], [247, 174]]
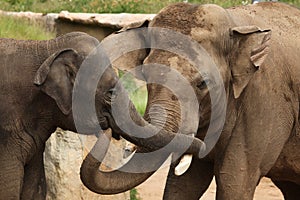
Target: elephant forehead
[[177, 63], [183, 17], [176, 17], [183, 67]]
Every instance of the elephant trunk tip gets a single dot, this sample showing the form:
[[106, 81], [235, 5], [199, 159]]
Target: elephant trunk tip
[[89, 173]]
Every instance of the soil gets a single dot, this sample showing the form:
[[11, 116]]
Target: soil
[[153, 188]]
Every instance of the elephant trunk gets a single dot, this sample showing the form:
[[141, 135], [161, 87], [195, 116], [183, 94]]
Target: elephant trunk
[[116, 181], [152, 137], [108, 182], [143, 164]]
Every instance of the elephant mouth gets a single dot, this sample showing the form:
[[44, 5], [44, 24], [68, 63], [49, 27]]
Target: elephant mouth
[[103, 122]]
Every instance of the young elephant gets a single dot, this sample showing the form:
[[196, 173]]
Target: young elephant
[[256, 51], [35, 95], [36, 83]]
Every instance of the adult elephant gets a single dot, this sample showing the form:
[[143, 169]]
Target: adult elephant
[[37, 79], [256, 50]]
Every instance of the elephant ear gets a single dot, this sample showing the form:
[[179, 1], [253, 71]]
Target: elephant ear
[[251, 50], [55, 77], [130, 60]]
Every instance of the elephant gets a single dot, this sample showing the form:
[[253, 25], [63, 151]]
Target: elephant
[[255, 49], [38, 81]]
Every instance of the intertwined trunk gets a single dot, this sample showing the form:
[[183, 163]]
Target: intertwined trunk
[[143, 164]]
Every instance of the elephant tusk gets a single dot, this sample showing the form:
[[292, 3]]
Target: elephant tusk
[[183, 165], [128, 157], [129, 149]]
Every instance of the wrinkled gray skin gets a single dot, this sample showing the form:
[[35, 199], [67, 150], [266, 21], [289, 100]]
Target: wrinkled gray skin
[[35, 95], [36, 85], [256, 49]]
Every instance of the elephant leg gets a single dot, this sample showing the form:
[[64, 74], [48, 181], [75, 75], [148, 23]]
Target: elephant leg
[[290, 190], [235, 181], [257, 139], [11, 176], [192, 184], [34, 186], [246, 159]]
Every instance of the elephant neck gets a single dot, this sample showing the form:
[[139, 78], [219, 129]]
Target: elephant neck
[[41, 121], [230, 121]]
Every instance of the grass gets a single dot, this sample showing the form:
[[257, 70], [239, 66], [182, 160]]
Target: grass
[[22, 29], [137, 93], [139, 99], [112, 6], [134, 194]]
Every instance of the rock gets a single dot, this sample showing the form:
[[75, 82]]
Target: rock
[[63, 156], [97, 25]]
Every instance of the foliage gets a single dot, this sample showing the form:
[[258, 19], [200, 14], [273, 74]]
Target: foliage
[[20, 29], [112, 6], [293, 2], [137, 93], [134, 194], [139, 99]]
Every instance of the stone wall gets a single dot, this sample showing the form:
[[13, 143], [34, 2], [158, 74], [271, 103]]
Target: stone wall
[[97, 25]]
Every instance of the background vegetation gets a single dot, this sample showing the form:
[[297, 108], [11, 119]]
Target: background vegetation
[[21, 29], [136, 89], [134, 195], [108, 6]]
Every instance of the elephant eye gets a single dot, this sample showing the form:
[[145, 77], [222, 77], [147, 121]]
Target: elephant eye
[[204, 84], [70, 71], [72, 74], [112, 93]]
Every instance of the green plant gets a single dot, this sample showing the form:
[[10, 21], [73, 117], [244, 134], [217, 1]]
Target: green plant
[[139, 98], [21, 29], [134, 194], [138, 94], [112, 6]]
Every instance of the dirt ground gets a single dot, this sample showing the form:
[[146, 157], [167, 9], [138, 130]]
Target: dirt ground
[[152, 189]]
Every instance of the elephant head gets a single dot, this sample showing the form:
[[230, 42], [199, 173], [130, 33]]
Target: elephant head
[[78, 77], [235, 54]]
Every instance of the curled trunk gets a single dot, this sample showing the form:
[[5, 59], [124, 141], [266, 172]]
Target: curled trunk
[[143, 164], [119, 180]]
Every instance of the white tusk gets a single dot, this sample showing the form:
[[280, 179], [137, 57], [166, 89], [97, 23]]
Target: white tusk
[[125, 160], [183, 165], [128, 149]]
